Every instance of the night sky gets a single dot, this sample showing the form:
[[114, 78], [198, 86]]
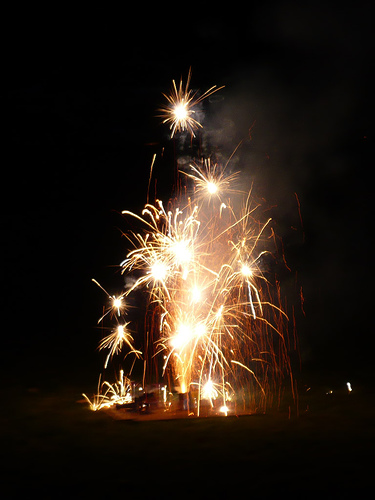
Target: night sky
[[84, 92]]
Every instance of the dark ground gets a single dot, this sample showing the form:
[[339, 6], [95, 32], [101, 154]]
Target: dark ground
[[56, 447]]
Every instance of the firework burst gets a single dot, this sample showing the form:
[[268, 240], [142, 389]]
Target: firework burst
[[210, 296], [117, 303], [211, 181], [214, 316], [108, 394], [115, 341], [180, 111]]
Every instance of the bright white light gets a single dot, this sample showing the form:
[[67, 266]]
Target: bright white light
[[182, 252], [159, 271], [246, 271], [185, 333], [196, 294], [180, 111], [120, 332], [212, 187], [224, 409], [209, 391], [183, 336], [117, 303], [349, 386]]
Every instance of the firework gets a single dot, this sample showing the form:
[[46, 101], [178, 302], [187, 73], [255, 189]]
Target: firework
[[202, 268], [117, 304], [211, 181], [109, 395], [214, 318], [180, 111], [115, 341]]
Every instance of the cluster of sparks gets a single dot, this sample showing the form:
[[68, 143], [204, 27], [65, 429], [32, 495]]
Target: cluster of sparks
[[111, 394], [212, 320], [180, 111]]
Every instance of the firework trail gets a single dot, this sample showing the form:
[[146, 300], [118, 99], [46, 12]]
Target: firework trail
[[214, 316]]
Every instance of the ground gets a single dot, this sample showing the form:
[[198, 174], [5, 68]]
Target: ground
[[56, 447]]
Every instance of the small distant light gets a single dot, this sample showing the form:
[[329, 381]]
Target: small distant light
[[349, 386], [140, 388]]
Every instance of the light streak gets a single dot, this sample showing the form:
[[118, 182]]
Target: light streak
[[109, 395], [117, 303], [114, 342]]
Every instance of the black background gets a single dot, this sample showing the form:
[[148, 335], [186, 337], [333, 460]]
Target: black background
[[84, 89]]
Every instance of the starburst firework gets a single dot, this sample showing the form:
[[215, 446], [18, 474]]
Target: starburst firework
[[180, 111]]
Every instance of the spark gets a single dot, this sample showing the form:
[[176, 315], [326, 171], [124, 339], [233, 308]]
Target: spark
[[180, 111], [117, 303], [246, 271], [184, 334], [211, 180], [115, 341], [211, 187], [224, 409], [209, 391], [158, 271], [109, 395]]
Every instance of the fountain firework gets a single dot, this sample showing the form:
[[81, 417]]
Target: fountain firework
[[214, 315]]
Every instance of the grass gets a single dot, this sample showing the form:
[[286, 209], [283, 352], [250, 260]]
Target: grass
[[57, 447]]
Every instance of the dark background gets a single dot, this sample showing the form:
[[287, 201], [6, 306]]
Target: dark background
[[84, 89]]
